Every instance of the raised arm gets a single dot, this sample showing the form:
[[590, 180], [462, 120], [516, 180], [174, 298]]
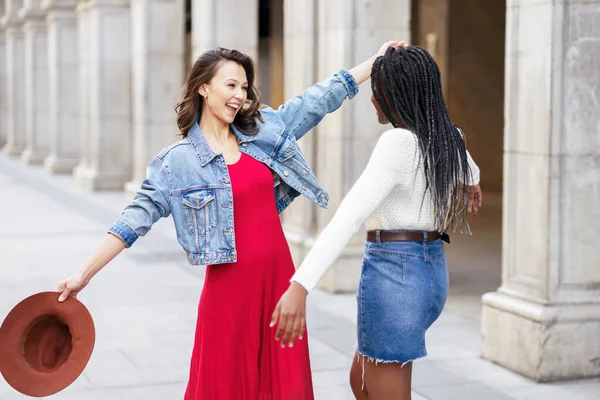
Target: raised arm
[[303, 112]]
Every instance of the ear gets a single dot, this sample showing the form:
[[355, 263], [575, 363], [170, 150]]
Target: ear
[[202, 90]]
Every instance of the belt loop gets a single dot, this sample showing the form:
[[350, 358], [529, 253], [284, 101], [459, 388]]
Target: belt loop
[[378, 237], [425, 237]]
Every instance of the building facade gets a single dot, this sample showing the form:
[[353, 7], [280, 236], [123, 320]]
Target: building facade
[[87, 88]]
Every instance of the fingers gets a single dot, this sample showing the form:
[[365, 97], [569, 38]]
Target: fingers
[[471, 201], [289, 329], [302, 328], [295, 330], [287, 332], [283, 322], [275, 315], [65, 293]]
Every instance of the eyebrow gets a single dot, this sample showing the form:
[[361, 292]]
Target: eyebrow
[[235, 80]]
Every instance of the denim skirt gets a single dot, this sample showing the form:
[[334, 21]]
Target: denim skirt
[[402, 291]]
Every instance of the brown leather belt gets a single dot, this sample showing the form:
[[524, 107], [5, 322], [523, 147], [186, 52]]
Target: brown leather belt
[[390, 236]]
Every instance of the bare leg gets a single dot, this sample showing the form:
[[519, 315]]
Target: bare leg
[[356, 379], [388, 381]]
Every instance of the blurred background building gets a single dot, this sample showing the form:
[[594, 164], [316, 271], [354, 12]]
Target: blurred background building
[[87, 88]]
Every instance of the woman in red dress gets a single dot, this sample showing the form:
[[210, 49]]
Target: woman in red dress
[[225, 184], [235, 354]]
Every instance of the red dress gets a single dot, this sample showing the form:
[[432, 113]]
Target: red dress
[[235, 354]]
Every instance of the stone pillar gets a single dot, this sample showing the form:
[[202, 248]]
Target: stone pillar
[[158, 73], [3, 83], [277, 53], [217, 23], [63, 66], [347, 137], [36, 82], [83, 41], [108, 85], [544, 320], [300, 60], [15, 79]]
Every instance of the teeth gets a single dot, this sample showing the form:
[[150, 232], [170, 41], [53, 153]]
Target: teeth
[[233, 105]]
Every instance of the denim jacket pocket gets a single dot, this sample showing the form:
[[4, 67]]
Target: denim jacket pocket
[[200, 211], [286, 148]]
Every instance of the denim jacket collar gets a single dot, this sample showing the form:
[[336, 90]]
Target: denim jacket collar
[[201, 146]]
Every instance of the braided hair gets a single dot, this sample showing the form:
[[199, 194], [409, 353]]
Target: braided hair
[[407, 86]]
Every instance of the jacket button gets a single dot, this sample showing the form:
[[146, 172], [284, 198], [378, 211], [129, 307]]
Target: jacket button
[[304, 188], [285, 173], [245, 144]]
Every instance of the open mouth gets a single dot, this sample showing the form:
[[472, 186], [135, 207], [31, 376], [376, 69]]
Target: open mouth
[[233, 107]]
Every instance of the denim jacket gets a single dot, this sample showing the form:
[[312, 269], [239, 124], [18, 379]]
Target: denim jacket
[[190, 182]]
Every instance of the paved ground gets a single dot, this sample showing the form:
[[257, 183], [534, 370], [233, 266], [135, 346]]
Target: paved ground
[[144, 304]]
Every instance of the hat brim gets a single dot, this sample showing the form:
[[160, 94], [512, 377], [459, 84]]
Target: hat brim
[[17, 372]]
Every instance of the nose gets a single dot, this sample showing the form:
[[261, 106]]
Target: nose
[[240, 94]]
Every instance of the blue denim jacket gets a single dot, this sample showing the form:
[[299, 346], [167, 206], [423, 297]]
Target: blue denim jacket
[[189, 181]]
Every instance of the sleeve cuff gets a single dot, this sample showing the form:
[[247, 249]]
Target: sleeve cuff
[[124, 232], [349, 82], [305, 283]]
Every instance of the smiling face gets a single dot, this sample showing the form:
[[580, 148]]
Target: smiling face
[[226, 93]]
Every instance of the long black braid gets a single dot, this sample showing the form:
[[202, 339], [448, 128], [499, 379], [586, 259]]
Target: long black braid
[[407, 86]]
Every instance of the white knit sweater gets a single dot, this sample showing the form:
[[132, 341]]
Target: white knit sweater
[[388, 195]]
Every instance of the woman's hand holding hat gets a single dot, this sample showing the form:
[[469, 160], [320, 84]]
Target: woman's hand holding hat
[[71, 286]]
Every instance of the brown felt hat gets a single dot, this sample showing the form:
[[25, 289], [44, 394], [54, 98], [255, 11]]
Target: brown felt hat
[[44, 344]]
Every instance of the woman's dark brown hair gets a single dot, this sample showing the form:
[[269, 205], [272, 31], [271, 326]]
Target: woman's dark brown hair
[[407, 86], [204, 69]]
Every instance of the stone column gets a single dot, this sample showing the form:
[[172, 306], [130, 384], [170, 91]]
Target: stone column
[[158, 73], [3, 99], [277, 53], [218, 23], [15, 79], [63, 67], [108, 86], [300, 60], [83, 41], [36, 82], [346, 138], [544, 321]]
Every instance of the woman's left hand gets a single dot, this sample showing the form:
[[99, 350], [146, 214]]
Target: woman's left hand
[[475, 198], [291, 312]]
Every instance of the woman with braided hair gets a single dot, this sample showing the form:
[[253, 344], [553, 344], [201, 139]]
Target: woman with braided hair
[[420, 182]]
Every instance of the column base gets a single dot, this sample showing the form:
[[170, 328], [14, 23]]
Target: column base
[[55, 165], [91, 180], [545, 343], [31, 157], [13, 149]]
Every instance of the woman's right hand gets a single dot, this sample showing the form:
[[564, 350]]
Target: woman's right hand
[[392, 43], [71, 286]]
